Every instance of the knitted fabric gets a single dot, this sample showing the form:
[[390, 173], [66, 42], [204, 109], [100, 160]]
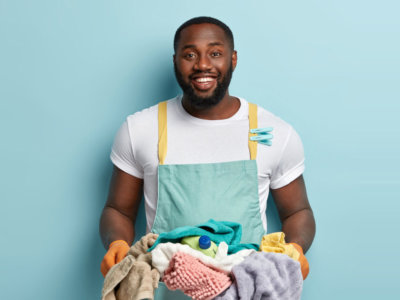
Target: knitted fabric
[[162, 255], [266, 276], [134, 274], [194, 278]]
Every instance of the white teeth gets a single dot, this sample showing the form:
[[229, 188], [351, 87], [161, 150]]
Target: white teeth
[[204, 79]]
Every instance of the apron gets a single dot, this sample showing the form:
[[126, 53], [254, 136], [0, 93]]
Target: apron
[[190, 194]]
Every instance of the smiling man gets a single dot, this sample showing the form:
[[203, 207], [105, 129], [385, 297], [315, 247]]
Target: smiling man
[[205, 155], [203, 65]]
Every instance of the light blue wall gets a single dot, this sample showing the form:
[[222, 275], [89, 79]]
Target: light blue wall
[[71, 71]]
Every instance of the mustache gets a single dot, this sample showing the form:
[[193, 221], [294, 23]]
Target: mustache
[[205, 74]]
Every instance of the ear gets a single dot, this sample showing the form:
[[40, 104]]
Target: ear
[[173, 58], [234, 60]]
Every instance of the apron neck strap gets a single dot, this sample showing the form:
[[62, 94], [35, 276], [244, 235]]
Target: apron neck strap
[[252, 125], [162, 131]]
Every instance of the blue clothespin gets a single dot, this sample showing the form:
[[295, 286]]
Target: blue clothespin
[[263, 135]]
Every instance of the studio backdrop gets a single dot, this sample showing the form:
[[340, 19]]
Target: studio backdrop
[[72, 71]]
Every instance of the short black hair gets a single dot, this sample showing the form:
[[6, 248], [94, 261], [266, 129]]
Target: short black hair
[[204, 20]]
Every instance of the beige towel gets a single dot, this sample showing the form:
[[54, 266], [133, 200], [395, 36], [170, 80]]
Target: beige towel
[[134, 274]]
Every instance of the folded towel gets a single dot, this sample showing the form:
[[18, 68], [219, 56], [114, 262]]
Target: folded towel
[[134, 274], [163, 253], [194, 278], [217, 231], [266, 276]]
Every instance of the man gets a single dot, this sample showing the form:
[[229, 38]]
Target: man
[[194, 160]]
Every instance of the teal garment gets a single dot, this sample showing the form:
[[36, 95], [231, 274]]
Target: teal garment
[[190, 194], [163, 293], [195, 193], [236, 248], [217, 231]]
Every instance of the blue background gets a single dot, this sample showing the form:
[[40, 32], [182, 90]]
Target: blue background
[[71, 71]]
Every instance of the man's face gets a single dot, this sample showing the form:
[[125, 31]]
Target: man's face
[[203, 63]]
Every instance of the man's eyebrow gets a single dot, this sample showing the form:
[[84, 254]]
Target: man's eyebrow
[[210, 44], [216, 44], [188, 46]]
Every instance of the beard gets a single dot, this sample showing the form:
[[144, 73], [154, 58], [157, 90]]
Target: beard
[[199, 102]]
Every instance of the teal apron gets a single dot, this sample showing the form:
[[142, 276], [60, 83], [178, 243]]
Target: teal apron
[[191, 194]]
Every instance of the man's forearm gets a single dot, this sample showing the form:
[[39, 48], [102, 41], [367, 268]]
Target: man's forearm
[[300, 228], [115, 226]]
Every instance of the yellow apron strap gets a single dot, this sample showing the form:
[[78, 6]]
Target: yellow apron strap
[[252, 125], [162, 132]]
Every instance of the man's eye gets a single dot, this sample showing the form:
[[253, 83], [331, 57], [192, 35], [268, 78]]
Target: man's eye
[[216, 54], [189, 55]]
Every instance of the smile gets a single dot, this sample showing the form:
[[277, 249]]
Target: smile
[[204, 79], [204, 83]]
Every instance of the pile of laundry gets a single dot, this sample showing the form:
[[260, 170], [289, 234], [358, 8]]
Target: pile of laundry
[[207, 262]]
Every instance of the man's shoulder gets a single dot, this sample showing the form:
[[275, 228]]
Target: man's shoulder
[[148, 114], [268, 119], [286, 142]]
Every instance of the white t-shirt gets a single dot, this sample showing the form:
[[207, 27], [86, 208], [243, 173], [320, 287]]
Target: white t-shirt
[[195, 141]]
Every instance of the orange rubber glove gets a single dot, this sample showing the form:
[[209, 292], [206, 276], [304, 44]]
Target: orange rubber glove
[[116, 252], [305, 268]]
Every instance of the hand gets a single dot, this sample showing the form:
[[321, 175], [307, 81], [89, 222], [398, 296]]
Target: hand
[[305, 269], [116, 252]]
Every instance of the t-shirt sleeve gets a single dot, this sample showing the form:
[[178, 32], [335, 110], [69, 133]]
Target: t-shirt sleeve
[[291, 163], [122, 154]]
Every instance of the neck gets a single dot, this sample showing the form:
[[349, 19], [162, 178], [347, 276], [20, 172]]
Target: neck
[[225, 109]]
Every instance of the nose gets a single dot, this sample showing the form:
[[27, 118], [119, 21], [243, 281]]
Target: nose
[[203, 63]]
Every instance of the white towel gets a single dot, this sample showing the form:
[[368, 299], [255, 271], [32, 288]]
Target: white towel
[[162, 254]]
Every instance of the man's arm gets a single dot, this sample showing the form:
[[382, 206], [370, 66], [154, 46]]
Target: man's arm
[[295, 213], [119, 214]]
